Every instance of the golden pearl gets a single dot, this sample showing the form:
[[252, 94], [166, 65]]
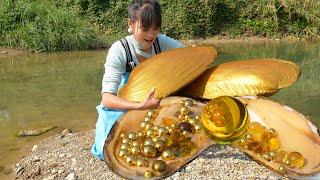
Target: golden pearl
[[296, 159], [140, 134], [148, 174], [125, 146], [181, 102], [123, 135], [185, 126], [132, 135], [142, 162], [148, 126], [197, 127], [162, 131], [167, 155], [131, 160], [136, 143], [184, 110], [160, 145], [184, 133], [188, 102], [152, 113], [143, 124], [147, 118], [149, 142], [159, 166], [123, 153], [126, 140], [156, 128], [281, 169], [192, 121], [197, 118], [135, 150], [150, 133], [149, 151]]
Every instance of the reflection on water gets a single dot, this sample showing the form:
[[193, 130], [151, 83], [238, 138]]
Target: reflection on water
[[63, 89]]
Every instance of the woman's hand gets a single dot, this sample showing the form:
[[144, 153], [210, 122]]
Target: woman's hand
[[150, 102]]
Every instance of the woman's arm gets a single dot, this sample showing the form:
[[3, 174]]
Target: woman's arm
[[112, 101]]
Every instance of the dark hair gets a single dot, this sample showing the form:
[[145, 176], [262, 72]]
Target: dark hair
[[147, 11]]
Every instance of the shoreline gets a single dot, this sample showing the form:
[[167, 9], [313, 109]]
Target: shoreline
[[67, 155]]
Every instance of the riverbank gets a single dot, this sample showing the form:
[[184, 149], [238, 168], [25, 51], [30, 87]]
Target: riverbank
[[67, 156]]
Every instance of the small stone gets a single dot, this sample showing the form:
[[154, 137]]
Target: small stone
[[19, 169], [49, 177], [17, 165], [62, 155], [34, 148], [71, 176], [53, 171], [60, 171], [7, 171]]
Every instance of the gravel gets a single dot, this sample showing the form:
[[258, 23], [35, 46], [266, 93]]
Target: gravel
[[67, 156]]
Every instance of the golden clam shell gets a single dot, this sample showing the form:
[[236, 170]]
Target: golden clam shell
[[241, 78], [184, 64]]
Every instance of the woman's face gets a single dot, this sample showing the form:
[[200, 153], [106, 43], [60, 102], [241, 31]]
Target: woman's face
[[145, 37]]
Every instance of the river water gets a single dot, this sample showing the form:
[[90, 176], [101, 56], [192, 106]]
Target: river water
[[62, 89]]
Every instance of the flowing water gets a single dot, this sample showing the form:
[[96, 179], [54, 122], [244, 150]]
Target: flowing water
[[62, 89]]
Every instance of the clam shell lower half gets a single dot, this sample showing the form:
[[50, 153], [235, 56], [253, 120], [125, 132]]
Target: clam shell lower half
[[296, 133], [131, 122], [167, 72], [243, 78]]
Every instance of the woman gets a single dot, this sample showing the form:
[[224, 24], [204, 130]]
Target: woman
[[145, 41]]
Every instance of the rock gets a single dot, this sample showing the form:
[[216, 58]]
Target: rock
[[35, 132], [19, 170], [71, 176], [7, 171], [49, 178], [34, 148], [66, 131]]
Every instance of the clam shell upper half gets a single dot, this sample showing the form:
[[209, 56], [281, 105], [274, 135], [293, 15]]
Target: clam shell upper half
[[296, 133], [243, 78], [167, 72], [131, 120]]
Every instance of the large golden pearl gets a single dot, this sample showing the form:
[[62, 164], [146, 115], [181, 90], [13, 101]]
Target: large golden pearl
[[123, 153], [147, 118], [149, 151], [135, 150], [160, 145], [148, 174], [184, 110], [131, 160], [159, 166], [152, 113], [188, 102], [296, 160], [142, 162], [167, 155], [125, 146], [132, 135]]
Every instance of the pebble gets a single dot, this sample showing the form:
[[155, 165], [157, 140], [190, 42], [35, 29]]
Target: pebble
[[71, 176], [34, 148]]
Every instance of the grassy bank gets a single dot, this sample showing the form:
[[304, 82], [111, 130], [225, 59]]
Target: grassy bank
[[63, 25]]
